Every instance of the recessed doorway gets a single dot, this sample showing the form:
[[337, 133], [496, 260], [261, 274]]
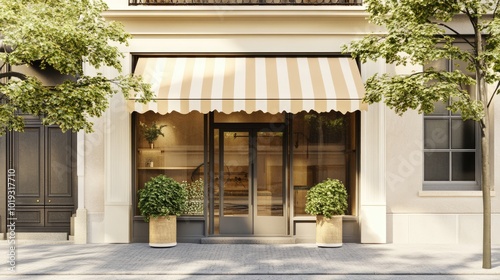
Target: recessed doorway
[[249, 180]]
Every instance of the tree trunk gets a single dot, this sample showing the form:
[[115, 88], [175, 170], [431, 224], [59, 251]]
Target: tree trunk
[[482, 95], [485, 145], [486, 196]]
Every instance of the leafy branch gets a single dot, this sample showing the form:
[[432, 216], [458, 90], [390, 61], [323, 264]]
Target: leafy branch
[[62, 36]]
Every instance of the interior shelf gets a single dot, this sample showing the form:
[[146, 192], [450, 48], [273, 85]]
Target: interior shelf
[[149, 150], [167, 168]]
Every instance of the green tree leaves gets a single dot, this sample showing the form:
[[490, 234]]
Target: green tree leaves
[[62, 35], [418, 32]]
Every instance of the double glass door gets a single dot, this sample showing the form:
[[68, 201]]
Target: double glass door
[[249, 181]]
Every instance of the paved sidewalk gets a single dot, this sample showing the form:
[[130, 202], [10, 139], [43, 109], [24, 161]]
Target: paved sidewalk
[[241, 261]]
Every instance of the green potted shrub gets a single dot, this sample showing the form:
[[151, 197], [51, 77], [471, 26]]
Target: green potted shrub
[[328, 201], [160, 202], [152, 132]]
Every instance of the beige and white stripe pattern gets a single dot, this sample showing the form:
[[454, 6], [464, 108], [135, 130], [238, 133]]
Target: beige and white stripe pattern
[[268, 84]]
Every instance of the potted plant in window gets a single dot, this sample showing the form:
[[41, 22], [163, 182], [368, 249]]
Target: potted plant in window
[[328, 201], [160, 202], [152, 132]]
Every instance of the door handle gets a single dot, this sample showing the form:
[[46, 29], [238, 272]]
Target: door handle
[[38, 200], [49, 200]]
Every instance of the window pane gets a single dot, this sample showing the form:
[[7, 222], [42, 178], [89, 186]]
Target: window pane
[[177, 153], [459, 112], [236, 171], [462, 64], [322, 149], [439, 109], [464, 166], [436, 134], [462, 134], [438, 65], [325, 128], [437, 166], [269, 174]]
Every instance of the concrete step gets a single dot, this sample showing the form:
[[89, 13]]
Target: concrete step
[[42, 238], [54, 236], [248, 240]]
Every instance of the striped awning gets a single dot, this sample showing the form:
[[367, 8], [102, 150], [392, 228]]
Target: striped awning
[[268, 84]]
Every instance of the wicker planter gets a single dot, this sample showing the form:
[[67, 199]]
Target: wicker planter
[[329, 231], [163, 231]]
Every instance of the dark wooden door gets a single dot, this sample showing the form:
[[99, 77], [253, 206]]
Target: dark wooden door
[[44, 159]]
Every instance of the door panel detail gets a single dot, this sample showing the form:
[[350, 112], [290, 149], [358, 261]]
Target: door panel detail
[[28, 162]]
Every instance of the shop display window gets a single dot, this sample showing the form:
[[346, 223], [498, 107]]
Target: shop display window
[[177, 152], [324, 146]]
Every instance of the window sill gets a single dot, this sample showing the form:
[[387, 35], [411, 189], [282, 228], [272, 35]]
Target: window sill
[[190, 218], [453, 193], [313, 218]]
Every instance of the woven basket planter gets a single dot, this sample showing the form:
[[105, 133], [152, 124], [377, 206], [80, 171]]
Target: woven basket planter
[[329, 231], [163, 231]]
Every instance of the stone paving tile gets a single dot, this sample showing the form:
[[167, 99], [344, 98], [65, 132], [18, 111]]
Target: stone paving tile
[[244, 261], [253, 277]]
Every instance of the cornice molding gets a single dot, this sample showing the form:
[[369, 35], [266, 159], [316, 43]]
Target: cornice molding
[[237, 11]]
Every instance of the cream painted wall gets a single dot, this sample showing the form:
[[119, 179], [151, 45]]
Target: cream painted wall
[[94, 182], [107, 178], [372, 185], [415, 216], [94, 168], [394, 197], [405, 172], [107, 174]]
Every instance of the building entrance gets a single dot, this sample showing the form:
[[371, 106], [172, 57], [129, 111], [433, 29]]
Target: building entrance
[[43, 159], [249, 185]]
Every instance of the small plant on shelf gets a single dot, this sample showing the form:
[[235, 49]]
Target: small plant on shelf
[[152, 132]]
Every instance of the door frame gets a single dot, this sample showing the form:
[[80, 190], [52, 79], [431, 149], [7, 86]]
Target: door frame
[[252, 128]]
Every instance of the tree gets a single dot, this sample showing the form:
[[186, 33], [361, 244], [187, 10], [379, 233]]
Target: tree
[[61, 35], [421, 32]]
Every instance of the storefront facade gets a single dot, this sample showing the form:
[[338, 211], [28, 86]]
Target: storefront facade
[[248, 115], [274, 120], [259, 104]]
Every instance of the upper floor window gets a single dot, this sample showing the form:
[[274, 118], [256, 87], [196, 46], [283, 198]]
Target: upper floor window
[[451, 145]]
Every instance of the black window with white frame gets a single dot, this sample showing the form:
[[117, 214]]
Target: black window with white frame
[[451, 145]]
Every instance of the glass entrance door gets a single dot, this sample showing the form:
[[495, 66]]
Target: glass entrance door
[[249, 186], [269, 183], [235, 188]]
